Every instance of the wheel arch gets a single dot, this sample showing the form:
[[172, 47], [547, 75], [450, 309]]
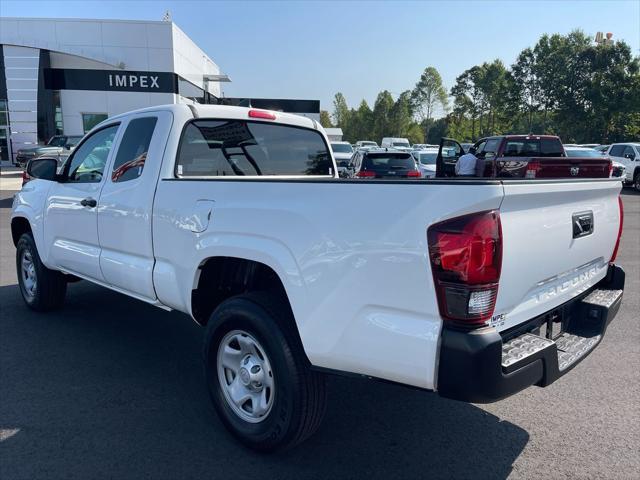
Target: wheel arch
[[219, 278], [19, 226]]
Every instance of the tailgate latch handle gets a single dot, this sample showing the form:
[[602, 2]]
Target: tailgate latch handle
[[582, 224]]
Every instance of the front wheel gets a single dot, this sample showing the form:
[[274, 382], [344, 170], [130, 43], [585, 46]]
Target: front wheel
[[259, 379], [42, 289]]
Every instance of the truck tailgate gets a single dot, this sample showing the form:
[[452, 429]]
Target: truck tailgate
[[545, 262], [569, 167]]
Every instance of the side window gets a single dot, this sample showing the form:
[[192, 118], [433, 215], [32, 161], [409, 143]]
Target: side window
[[491, 147], [629, 153], [133, 149], [215, 148], [89, 159], [480, 146], [616, 150]]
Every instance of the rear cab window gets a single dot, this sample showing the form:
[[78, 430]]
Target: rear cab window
[[533, 147], [241, 148]]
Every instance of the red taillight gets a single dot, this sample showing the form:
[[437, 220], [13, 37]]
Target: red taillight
[[615, 249], [366, 174], [262, 114], [533, 168], [610, 167], [414, 173], [466, 258]]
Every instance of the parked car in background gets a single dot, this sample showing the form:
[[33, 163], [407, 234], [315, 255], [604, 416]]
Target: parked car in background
[[422, 146], [58, 145], [383, 164], [628, 154], [426, 161], [617, 169], [466, 147], [342, 152], [522, 156], [576, 151], [397, 143], [366, 144], [589, 145], [602, 148]]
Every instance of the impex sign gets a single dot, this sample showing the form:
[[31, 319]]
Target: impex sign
[[110, 80]]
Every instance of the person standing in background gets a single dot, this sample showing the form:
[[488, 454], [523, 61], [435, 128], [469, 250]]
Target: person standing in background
[[466, 164]]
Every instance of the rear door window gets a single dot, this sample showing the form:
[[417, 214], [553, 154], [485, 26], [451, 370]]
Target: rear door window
[[629, 151], [237, 148], [133, 149]]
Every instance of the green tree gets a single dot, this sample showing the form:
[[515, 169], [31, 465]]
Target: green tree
[[362, 122], [340, 111], [526, 86], [400, 117], [381, 115], [428, 94], [325, 119]]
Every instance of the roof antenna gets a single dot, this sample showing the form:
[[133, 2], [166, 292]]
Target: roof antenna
[[167, 16]]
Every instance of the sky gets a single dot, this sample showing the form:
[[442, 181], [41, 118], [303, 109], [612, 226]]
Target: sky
[[312, 50]]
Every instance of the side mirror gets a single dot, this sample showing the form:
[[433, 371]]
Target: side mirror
[[630, 156], [43, 168]]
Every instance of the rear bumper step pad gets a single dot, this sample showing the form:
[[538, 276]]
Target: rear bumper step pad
[[481, 366]]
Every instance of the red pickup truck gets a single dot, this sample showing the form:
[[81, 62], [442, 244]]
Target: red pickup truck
[[521, 156]]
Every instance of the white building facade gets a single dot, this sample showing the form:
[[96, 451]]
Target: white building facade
[[63, 76]]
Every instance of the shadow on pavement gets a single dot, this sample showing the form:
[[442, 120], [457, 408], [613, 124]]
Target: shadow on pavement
[[112, 387]]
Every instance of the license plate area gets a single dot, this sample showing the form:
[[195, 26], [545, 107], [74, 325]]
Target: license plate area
[[554, 324]]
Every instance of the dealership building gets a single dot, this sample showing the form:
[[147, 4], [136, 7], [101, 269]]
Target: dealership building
[[63, 76]]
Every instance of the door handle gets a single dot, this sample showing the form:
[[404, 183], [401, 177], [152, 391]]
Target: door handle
[[89, 202]]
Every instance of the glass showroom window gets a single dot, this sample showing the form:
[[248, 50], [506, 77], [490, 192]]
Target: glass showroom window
[[90, 120], [4, 114], [57, 112]]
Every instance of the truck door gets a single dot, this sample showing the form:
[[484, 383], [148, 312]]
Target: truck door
[[126, 201], [448, 154], [71, 212]]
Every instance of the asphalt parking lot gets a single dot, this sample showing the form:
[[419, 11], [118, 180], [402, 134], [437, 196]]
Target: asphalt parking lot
[[110, 387]]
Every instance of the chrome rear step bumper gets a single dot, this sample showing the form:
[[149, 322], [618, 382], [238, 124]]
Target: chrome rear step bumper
[[483, 365]]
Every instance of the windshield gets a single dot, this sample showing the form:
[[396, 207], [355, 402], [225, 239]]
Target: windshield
[[341, 148], [428, 158], [56, 142], [401, 144], [587, 152]]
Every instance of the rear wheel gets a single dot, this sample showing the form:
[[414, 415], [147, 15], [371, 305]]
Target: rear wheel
[[42, 289], [258, 376], [636, 181]]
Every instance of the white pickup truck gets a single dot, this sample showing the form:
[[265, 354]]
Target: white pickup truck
[[475, 289]]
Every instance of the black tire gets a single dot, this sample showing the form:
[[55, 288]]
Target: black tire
[[636, 181], [299, 393], [50, 286]]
